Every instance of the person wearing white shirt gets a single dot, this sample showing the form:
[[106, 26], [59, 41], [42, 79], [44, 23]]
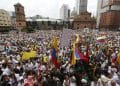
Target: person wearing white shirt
[[112, 83]]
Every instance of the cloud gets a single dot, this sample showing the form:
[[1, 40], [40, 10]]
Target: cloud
[[49, 8], [92, 6]]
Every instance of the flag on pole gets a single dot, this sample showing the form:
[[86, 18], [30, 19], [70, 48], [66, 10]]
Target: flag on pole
[[101, 39], [54, 58], [81, 56], [78, 54], [118, 58], [73, 59], [54, 50], [75, 55], [55, 43]]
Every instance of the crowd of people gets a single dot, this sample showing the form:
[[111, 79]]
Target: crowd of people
[[102, 69]]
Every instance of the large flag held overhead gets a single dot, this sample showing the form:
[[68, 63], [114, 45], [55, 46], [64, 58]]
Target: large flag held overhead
[[54, 50], [28, 55], [118, 58], [81, 56], [73, 59], [76, 54], [55, 43], [101, 39], [54, 58]]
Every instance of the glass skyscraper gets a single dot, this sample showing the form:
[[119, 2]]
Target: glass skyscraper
[[81, 6]]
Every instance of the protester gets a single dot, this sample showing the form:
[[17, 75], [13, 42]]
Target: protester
[[47, 58]]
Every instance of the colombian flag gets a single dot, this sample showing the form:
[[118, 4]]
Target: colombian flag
[[73, 59], [54, 58], [73, 56], [55, 43], [81, 56], [118, 58], [54, 53], [76, 54], [101, 39], [28, 55]]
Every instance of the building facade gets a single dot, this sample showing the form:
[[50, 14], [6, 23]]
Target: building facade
[[84, 20], [64, 12], [108, 13], [45, 23], [5, 20], [13, 19], [20, 16], [81, 6], [73, 13]]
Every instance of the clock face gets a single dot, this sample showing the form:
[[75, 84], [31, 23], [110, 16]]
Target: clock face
[[105, 3]]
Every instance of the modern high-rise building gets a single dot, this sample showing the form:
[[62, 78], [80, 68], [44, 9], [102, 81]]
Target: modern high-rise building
[[5, 19], [64, 12], [81, 6], [108, 14], [73, 13], [12, 14], [20, 16]]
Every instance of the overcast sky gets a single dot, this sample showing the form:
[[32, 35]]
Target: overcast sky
[[46, 8]]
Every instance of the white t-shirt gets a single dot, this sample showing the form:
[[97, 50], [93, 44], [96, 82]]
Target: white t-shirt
[[109, 84]]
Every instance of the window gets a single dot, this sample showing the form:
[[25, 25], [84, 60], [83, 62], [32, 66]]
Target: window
[[19, 23], [2, 13], [85, 18], [18, 9], [109, 7]]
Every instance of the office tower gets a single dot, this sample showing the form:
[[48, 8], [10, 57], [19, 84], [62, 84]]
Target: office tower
[[81, 6], [64, 12]]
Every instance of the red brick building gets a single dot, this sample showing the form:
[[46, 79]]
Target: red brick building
[[20, 16], [84, 20], [110, 19]]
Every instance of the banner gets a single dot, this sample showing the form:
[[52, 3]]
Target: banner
[[66, 36], [28, 55]]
